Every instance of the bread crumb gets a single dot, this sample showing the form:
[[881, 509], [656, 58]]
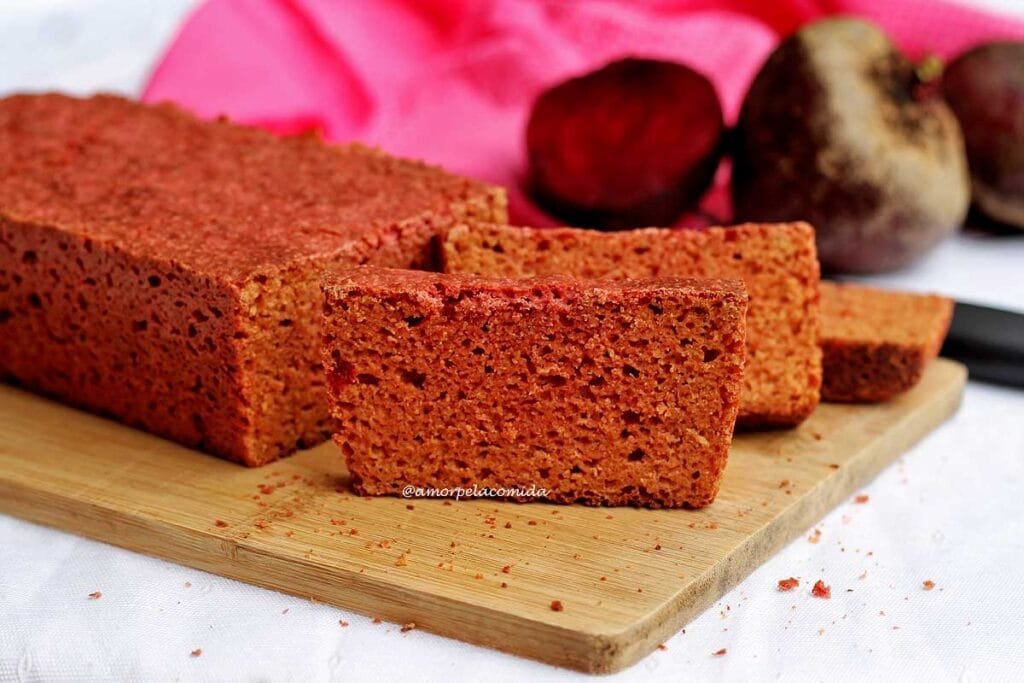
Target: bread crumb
[[408, 627], [789, 584], [220, 523], [196, 652], [556, 606], [862, 498], [507, 569], [343, 623], [376, 620], [401, 561], [95, 595], [929, 584], [662, 647], [820, 590], [815, 536], [719, 653]]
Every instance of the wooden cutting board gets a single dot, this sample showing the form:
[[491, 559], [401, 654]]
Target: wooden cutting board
[[479, 571]]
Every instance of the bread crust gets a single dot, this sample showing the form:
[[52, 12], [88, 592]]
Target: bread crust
[[165, 271], [876, 344], [598, 392], [777, 262]]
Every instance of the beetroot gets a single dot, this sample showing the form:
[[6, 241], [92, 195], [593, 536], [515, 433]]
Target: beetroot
[[985, 88], [841, 130], [632, 144]]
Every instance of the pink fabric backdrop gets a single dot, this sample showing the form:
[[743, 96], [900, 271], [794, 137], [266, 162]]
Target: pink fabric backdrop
[[451, 81]]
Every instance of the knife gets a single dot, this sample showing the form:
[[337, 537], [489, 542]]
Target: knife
[[989, 341]]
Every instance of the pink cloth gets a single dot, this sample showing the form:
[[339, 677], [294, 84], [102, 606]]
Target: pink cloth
[[451, 81]]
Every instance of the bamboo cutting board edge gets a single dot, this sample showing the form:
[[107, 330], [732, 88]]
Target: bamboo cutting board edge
[[804, 512], [25, 492]]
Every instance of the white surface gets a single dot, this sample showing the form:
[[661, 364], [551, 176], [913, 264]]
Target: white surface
[[951, 510]]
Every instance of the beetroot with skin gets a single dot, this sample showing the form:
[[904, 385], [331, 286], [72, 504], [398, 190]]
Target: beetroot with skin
[[985, 88], [633, 144], [841, 130]]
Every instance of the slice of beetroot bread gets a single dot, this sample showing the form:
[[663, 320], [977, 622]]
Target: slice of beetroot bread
[[778, 263], [600, 392], [877, 343], [166, 271]]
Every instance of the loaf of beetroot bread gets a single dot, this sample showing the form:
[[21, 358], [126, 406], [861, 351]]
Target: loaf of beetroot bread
[[778, 263], [877, 343], [598, 392], [165, 271]]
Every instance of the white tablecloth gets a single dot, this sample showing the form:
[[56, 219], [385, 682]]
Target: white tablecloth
[[950, 511]]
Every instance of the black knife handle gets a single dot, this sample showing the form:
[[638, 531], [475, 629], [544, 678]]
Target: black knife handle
[[989, 341]]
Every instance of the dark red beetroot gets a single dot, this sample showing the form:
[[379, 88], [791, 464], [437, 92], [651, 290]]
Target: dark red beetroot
[[632, 144], [985, 88], [841, 130]]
